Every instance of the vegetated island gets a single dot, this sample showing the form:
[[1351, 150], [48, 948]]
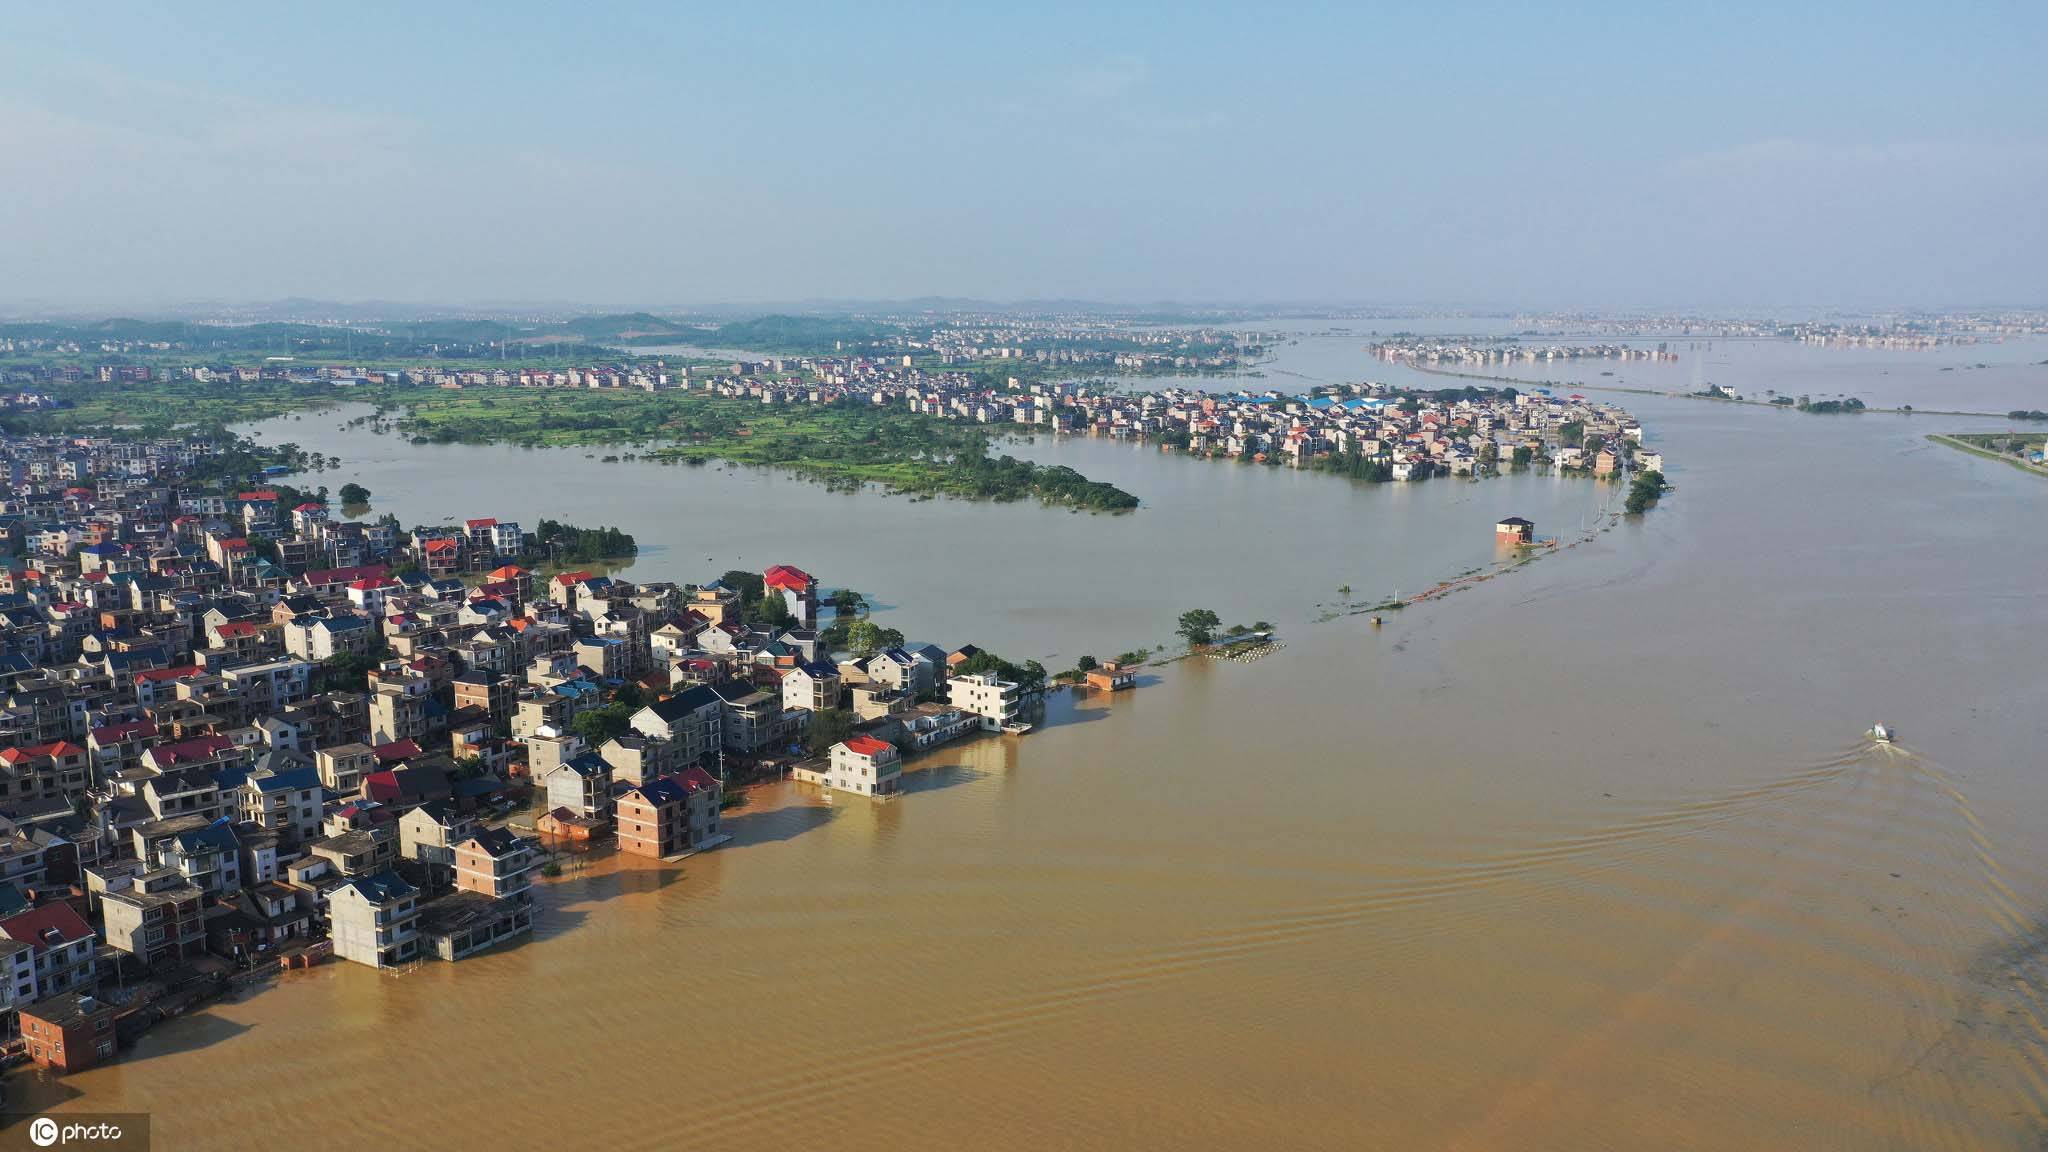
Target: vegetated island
[[844, 445]]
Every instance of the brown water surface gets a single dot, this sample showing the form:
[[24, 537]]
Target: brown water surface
[[1593, 855]]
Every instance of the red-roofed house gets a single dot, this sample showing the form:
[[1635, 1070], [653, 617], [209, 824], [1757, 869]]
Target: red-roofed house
[[63, 944], [442, 556], [198, 752], [44, 771], [862, 765], [156, 682], [331, 581], [242, 639], [489, 538], [397, 752], [798, 589], [116, 747], [370, 595]]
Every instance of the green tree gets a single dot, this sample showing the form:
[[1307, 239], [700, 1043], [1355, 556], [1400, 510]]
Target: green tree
[[353, 493], [1085, 664], [1644, 491], [774, 612], [600, 725], [827, 728], [847, 602], [349, 672], [1198, 626], [865, 638], [749, 585], [1030, 674]]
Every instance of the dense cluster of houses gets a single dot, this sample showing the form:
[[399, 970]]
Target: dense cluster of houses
[[1407, 436], [1469, 353], [1412, 436], [234, 732]]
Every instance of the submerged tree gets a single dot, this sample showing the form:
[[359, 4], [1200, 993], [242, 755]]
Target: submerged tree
[[1198, 626]]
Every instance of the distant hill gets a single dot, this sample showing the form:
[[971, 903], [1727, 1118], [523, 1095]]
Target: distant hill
[[803, 334]]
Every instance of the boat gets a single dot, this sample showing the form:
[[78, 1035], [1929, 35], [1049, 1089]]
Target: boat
[[1881, 734]]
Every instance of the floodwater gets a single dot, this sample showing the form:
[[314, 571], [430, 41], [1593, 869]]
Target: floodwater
[[1591, 855], [1994, 376]]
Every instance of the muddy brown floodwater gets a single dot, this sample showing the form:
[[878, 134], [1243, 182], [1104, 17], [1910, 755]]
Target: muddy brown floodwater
[[1594, 855]]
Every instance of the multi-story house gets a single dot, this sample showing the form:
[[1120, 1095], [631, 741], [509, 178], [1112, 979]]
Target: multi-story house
[[495, 695], [428, 834], [581, 784], [118, 746], [636, 759], [320, 638], [69, 1032], [17, 979], [493, 862], [45, 771], [862, 765], [752, 720], [398, 710], [198, 754], [268, 685], [692, 720], [374, 920], [652, 818], [359, 851], [63, 944], [997, 701], [343, 766], [814, 686], [799, 591], [209, 857], [24, 860], [154, 916], [287, 803]]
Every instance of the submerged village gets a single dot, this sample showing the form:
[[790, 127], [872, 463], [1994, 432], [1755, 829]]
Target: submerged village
[[241, 733]]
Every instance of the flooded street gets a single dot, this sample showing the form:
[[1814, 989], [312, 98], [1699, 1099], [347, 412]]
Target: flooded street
[[1592, 855]]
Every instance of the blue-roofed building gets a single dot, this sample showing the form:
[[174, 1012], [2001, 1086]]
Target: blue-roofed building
[[209, 857], [582, 784], [286, 802], [813, 685], [374, 920]]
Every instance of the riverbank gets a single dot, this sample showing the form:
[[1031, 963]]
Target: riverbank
[[1714, 398], [1961, 443]]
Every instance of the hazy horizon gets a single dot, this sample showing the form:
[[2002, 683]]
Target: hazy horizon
[[636, 158]]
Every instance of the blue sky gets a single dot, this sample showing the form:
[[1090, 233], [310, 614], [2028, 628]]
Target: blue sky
[[651, 155]]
